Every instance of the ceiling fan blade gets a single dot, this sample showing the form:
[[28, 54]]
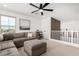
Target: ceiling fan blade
[[35, 11], [45, 5], [41, 13], [48, 9], [40, 6], [33, 5]]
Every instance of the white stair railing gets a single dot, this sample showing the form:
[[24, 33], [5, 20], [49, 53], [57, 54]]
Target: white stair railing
[[68, 36]]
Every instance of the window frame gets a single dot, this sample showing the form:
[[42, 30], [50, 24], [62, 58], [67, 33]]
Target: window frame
[[7, 26]]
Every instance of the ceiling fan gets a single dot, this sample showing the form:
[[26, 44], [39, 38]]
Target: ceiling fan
[[41, 8]]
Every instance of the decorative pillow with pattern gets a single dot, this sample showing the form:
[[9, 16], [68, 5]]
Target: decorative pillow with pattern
[[6, 44]]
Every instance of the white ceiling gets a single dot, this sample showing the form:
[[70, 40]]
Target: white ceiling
[[61, 10], [22, 8]]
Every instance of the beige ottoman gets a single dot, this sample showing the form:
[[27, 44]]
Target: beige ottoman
[[35, 47]]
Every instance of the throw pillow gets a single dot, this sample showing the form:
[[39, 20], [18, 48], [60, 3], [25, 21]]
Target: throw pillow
[[30, 35]]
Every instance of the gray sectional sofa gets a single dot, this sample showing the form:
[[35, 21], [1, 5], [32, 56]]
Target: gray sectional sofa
[[12, 41], [18, 38]]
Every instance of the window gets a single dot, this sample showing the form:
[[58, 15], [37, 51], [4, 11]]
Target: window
[[7, 24]]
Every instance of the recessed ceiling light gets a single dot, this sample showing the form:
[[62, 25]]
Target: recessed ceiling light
[[5, 5]]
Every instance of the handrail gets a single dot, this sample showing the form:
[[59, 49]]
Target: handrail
[[68, 36]]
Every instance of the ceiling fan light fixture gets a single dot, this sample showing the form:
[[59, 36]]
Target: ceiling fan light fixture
[[40, 10], [41, 7]]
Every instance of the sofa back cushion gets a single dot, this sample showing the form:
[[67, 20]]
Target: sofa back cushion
[[34, 34], [18, 35], [8, 36], [26, 34]]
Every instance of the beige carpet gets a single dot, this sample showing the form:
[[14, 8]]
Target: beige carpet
[[56, 49]]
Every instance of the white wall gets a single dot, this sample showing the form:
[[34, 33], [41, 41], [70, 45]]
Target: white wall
[[70, 25], [68, 14], [46, 27], [35, 23]]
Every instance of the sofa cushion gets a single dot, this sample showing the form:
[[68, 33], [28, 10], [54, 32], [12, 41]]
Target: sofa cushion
[[18, 35], [6, 44], [19, 42], [20, 39], [26, 34], [31, 38], [1, 37], [8, 36], [34, 34], [9, 52]]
